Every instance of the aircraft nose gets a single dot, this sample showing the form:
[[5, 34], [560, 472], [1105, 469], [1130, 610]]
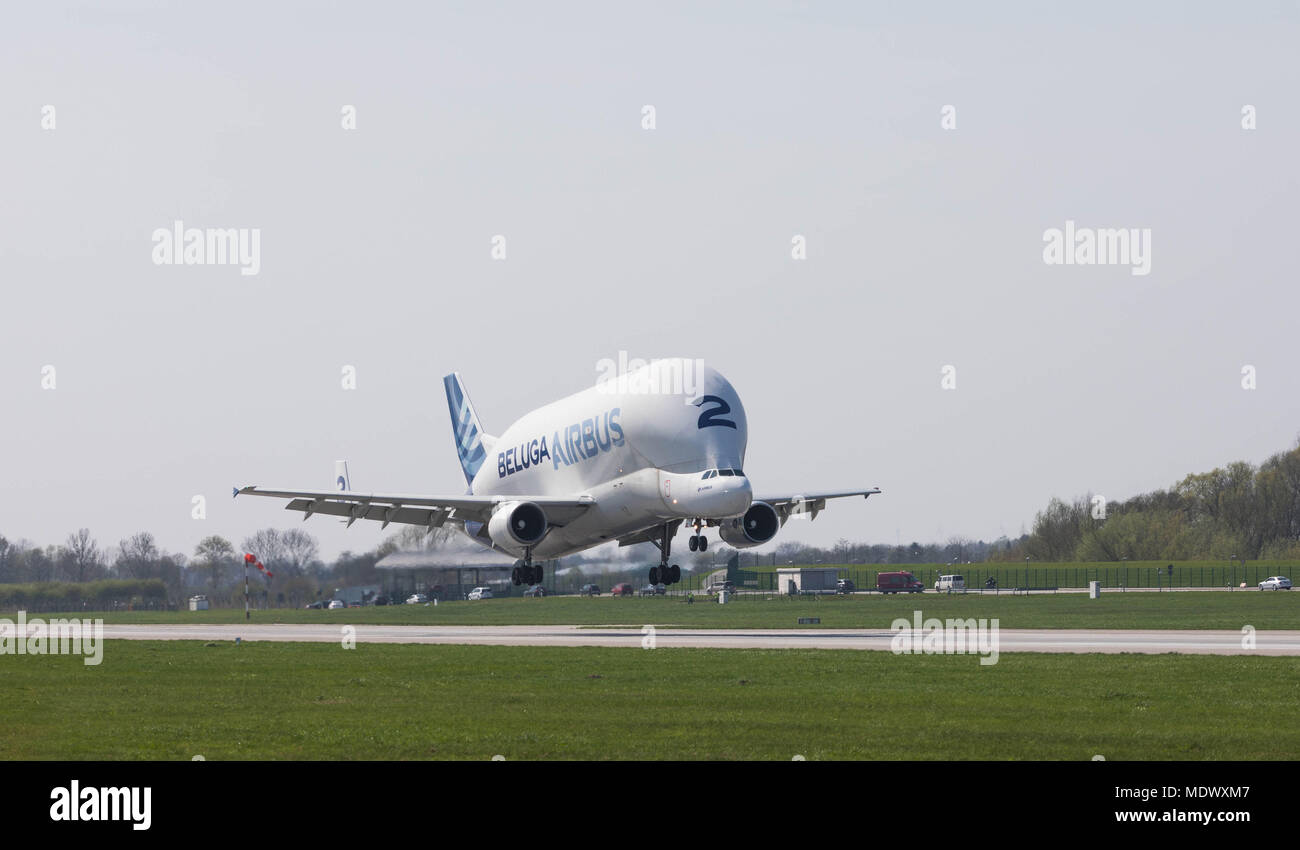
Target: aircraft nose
[[737, 495]]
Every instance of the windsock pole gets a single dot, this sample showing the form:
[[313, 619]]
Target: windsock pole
[[249, 557]]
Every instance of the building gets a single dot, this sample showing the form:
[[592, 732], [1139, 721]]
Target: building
[[444, 573], [807, 579]]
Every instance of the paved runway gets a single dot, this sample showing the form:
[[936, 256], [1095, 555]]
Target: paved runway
[[1009, 640]]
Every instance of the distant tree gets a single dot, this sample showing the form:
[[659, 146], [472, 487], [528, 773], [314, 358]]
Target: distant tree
[[214, 555], [299, 550], [136, 556], [82, 556]]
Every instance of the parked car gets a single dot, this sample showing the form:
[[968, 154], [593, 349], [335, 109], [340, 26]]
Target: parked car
[[728, 586], [844, 586], [318, 605], [590, 590], [653, 590], [898, 582], [622, 589], [336, 604], [1275, 583], [953, 582], [416, 599], [479, 593], [536, 590]]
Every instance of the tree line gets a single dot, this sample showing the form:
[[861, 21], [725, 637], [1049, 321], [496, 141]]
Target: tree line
[[1241, 512]]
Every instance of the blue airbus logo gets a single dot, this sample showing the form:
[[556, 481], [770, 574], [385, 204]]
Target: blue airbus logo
[[572, 444]]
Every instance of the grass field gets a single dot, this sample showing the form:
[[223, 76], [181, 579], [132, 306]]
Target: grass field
[[1186, 610], [176, 700]]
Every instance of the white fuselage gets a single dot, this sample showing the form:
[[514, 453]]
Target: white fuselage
[[636, 446]]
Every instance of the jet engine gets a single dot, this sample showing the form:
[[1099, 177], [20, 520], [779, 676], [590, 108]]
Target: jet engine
[[759, 525], [516, 525]]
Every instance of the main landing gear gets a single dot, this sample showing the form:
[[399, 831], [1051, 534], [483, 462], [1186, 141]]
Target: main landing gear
[[664, 574], [524, 571]]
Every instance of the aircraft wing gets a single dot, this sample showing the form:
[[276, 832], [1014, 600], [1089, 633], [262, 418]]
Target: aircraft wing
[[810, 504], [429, 511]]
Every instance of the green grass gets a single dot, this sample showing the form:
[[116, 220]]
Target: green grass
[[1189, 610], [175, 700]]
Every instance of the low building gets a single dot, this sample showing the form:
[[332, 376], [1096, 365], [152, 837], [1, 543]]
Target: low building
[[807, 579], [447, 574]]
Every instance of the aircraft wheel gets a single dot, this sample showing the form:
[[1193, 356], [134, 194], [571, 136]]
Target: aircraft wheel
[[694, 543], [654, 575], [676, 574], [704, 543]]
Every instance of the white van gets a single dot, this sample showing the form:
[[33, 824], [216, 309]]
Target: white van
[[950, 583]]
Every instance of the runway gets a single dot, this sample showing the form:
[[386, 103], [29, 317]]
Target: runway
[[1191, 642]]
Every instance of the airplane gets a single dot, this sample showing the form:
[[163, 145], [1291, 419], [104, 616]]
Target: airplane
[[630, 460]]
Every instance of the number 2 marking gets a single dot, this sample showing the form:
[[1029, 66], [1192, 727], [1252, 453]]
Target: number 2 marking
[[709, 418]]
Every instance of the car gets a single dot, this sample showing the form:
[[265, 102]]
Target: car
[[379, 600], [898, 582], [1275, 583], [621, 589], [536, 590], [416, 599], [590, 590], [950, 583], [336, 604], [318, 605], [479, 593], [844, 586], [728, 586], [652, 590]]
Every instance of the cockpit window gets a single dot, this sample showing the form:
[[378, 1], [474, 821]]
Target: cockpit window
[[739, 473], [726, 472]]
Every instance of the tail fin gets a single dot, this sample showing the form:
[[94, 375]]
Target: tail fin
[[341, 479], [471, 441]]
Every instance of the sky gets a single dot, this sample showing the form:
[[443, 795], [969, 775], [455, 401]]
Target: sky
[[922, 343]]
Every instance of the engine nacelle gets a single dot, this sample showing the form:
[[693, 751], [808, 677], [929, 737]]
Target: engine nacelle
[[516, 525], [759, 525]]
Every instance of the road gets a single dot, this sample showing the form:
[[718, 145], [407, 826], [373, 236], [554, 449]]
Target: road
[[1009, 640]]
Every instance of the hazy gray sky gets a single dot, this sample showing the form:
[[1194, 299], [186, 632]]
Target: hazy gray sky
[[924, 246]]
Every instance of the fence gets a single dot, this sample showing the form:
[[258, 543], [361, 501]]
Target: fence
[[1046, 576]]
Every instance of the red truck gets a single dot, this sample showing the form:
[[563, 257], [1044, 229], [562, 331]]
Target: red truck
[[902, 582]]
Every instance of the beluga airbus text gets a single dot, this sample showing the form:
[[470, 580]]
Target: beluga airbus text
[[630, 460]]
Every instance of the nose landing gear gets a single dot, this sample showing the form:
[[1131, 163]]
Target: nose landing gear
[[698, 542]]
